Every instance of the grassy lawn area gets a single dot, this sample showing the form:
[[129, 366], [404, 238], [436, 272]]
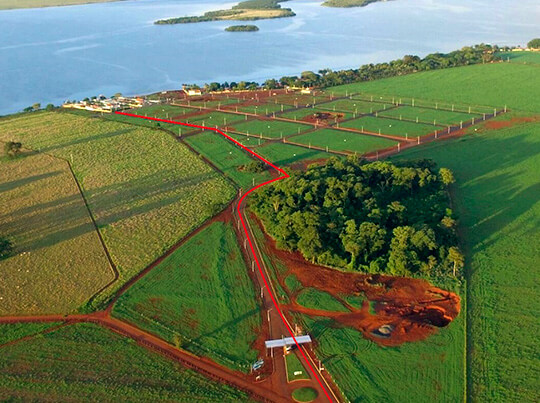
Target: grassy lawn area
[[427, 371], [304, 394], [354, 106], [213, 119], [262, 109], [429, 116], [270, 128], [14, 331], [520, 57], [390, 126], [295, 365], [58, 262], [496, 197], [200, 298], [316, 299], [228, 157], [344, 141], [494, 84], [83, 360], [285, 154], [146, 190], [250, 141]]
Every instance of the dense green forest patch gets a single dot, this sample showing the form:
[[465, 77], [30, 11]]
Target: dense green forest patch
[[376, 217]]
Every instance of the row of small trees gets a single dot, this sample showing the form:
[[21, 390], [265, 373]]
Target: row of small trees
[[408, 64], [375, 217]]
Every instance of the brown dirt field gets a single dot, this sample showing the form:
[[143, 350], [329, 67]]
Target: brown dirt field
[[500, 124], [196, 112], [413, 307], [303, 165], [323, 118]]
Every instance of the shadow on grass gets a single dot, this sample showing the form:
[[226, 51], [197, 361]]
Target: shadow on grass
[[48, 223]]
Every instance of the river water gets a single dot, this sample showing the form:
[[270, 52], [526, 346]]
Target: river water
[[54, 54]]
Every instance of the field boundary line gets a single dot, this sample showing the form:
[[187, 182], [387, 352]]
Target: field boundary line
[[239, 206], [116, 273], [112, 266]]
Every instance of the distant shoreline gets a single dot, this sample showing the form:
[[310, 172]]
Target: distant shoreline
[[27, 4]]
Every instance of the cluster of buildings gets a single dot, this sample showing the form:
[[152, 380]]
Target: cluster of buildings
[[109, 105]]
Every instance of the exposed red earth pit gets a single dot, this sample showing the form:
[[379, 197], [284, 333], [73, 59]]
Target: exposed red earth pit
[[409, 309], [323, 118], [500, 124]]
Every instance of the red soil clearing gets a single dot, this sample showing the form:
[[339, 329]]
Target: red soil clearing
[[412, 308], [323, 118], [500, 124]]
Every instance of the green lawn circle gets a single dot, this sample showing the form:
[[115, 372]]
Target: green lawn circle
[[304, 394]]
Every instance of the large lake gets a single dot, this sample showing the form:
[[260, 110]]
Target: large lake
[[54, 54]]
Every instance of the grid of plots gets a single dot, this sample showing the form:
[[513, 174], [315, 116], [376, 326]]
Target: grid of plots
[[284, 154], [227, 156], [429, 116], [270, 128], [343, 141], [354, 106], [391, 127], [424, 103]]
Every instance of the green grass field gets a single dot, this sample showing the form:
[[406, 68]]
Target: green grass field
[[262, 109], [316, 299], [15, 331], [213, 119], [521, 57], [343, 141], [146, 190], [86, 362], [430, 116], [200, 298], [270, 128], [58, 262], [304, 394], [295, 365], [286, 154], [228, 157], [160, 111], [354, 106], [390, 126], [425, 371], [250, 141], [491, 85], [496, 197]]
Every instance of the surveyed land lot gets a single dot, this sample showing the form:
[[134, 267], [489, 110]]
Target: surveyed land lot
[[227, 157], [145, 190], [59, 261], [85, 361], [200, 298], [343, 141]]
